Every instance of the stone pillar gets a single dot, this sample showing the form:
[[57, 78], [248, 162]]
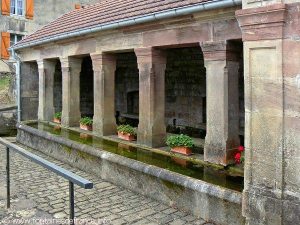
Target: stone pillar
[[71, 68], [104, 66], [222, 137], [272, 134], [46, 81], [152, 65]]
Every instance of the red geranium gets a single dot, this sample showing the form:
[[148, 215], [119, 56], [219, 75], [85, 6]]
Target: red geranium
[[241, 148], [237, 157]]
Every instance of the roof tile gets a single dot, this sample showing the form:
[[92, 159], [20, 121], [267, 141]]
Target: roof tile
[[104, 12]]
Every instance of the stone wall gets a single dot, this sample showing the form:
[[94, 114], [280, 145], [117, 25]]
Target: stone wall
[[29, 91], [87, 88], [185, 87], [57, 89], [8, 120], [127, 81]]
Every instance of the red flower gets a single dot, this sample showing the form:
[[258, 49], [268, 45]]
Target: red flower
[[237, 157], [241, 148]]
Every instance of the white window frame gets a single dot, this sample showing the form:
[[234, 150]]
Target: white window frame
[[16, 8], [15, 36]]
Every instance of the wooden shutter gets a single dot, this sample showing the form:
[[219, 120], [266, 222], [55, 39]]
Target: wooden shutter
[[5, 7], [5, 43], [29, 9]]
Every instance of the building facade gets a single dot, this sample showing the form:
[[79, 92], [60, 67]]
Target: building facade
[[19, 18], [216, 37]]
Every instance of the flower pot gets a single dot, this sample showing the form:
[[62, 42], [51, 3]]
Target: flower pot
[[56, 120], [181, 162], [125, 136], [86, 127], [182, 150], [85, 136], [56, 128]]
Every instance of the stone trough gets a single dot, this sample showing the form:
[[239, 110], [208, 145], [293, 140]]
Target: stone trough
[[208, 201], [8, 120]]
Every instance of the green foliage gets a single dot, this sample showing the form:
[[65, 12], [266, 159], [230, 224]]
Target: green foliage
[[86, 121], [180, 140], [57, 115], [126, 129], [4, 82]]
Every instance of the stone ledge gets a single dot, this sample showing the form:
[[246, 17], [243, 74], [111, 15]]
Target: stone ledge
[[197, 185]]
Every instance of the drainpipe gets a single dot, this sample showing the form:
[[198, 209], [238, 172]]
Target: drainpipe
[[18, 65]]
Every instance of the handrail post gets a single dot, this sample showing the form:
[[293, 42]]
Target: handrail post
[[7, 179], [72, 206]]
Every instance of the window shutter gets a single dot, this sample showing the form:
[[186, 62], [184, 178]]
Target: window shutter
[[5, 7], [29, 9], [5, 43]]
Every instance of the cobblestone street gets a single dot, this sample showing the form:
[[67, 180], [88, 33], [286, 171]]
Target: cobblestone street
[[38, 193]]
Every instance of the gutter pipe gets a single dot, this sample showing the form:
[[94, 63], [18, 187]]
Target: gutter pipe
[[215, 4], [18, 65]]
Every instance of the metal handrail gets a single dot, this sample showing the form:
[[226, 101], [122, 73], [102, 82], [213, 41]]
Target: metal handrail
[[71, 177]]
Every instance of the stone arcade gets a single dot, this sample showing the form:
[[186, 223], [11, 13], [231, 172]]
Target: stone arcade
[[91, 42]]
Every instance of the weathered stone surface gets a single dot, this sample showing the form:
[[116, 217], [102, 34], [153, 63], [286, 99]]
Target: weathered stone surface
[[152, 65], [271, 194], [46, 89], [222, 138], [104, 204], [8, 120], [262, 23], [104, 66], [71, 68], [29, 91], [209, 202]]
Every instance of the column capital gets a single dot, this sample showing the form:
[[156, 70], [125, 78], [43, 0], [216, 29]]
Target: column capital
[[102, 58], [45, 63], [40, 63], [150, 55], [219, 50], [263, 23], [67, 62]]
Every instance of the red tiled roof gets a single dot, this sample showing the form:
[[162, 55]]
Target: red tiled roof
[[104, 12]]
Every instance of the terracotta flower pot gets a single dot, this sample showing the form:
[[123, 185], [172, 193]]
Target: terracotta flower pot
[[182, 150], [125, 136], [56, 127], [86, 127], [84, 136], [181, 162], [56, 120]]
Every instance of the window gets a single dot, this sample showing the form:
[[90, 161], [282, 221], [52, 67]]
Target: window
[[17, 7], [14, 38]]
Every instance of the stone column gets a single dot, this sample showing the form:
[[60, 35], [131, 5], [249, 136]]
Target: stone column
[[222, 137], [104, 66], [46, 81], [272, 135], [71, 68], [152, 65]]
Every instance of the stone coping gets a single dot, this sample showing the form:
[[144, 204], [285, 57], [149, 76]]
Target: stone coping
[[7, 107], [185, 181]]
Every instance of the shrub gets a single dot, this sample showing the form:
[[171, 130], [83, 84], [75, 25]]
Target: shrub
[[126, 129], [86, 121], [57, 115], [180, 140]]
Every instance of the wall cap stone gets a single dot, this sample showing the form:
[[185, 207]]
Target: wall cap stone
[[263, 23]]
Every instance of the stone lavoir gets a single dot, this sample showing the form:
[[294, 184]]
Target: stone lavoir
[[225, 69]]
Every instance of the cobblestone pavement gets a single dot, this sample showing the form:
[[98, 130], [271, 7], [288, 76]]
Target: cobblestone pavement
[[39, 193]]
